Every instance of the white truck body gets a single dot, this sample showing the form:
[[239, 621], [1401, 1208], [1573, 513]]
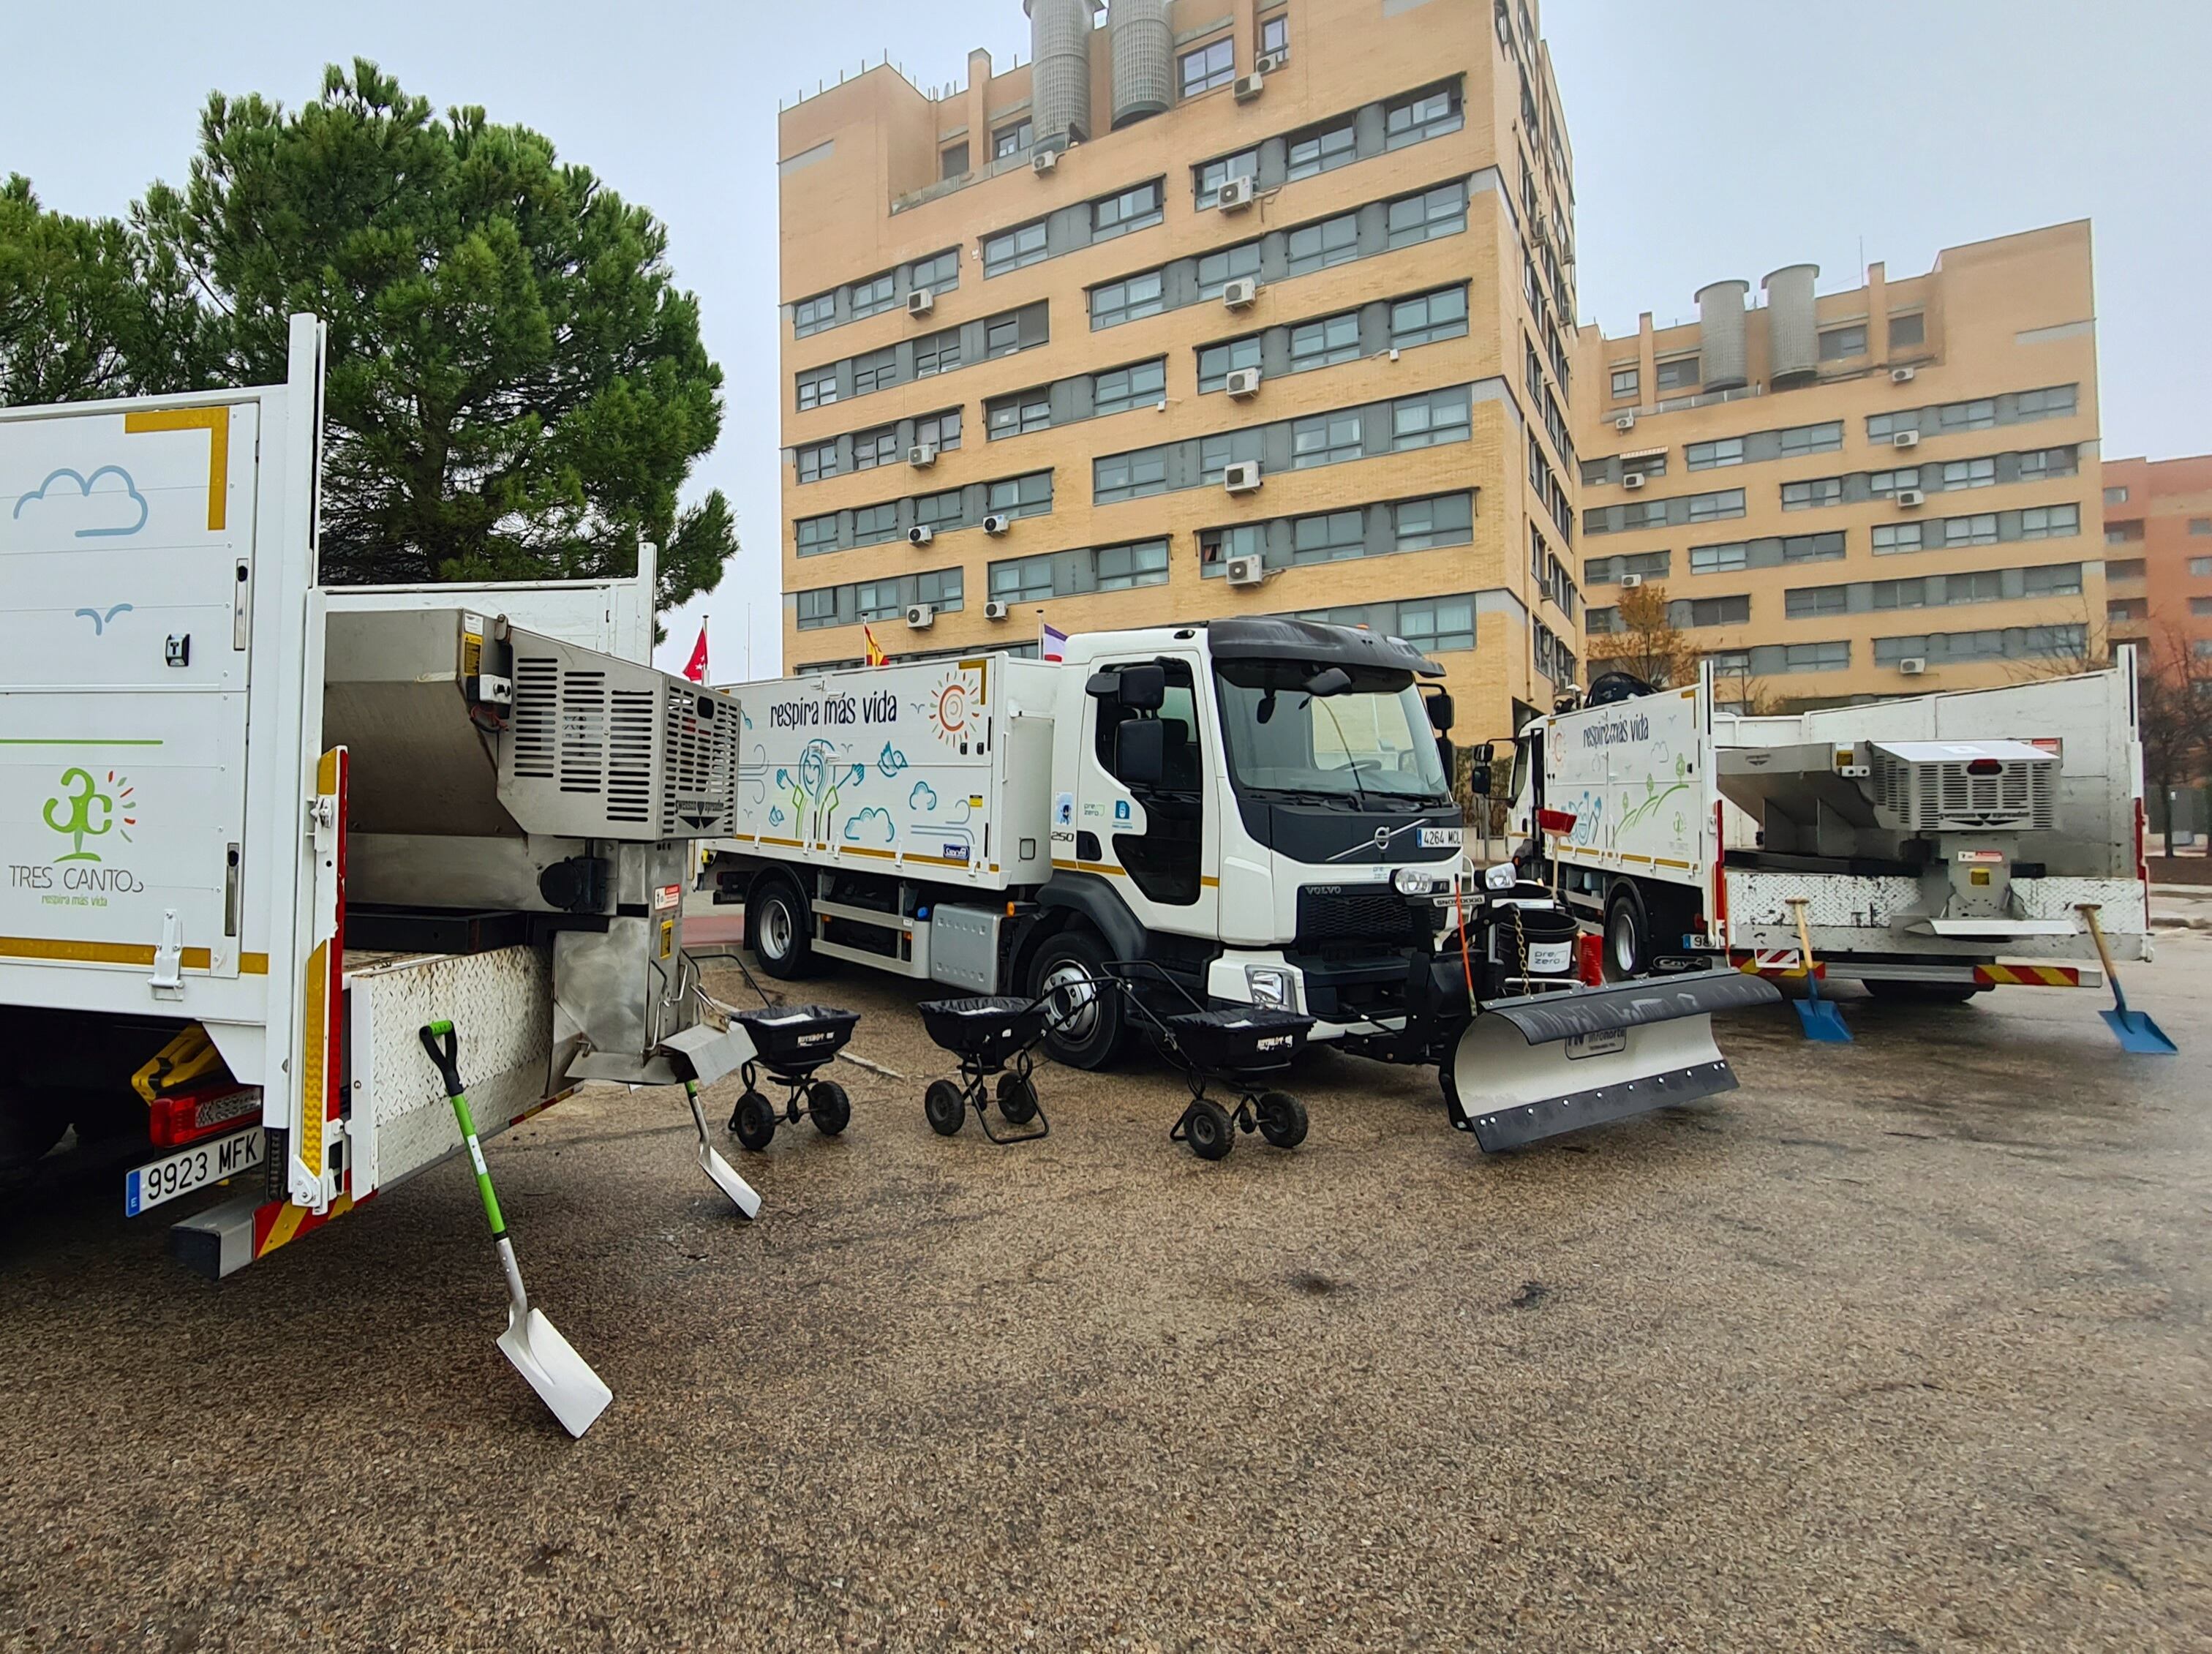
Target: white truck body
[[1655, 786]]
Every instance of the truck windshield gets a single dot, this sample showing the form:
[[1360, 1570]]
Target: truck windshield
[[1368, 743]]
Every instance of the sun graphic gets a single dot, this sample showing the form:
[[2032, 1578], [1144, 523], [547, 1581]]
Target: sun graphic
[[949, 710], [120, 789]]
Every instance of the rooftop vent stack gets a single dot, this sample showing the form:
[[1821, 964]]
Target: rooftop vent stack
[[1793, 340], [1144, 59], [1720, 335], [1060, 75]]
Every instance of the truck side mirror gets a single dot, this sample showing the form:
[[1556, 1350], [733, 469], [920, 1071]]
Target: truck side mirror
[[1140, 752], [1477, 779], [1440, 711], [1143, 689], [1482, 755]]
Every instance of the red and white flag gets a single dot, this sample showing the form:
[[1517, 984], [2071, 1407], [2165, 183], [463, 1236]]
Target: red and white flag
[[697, 670]]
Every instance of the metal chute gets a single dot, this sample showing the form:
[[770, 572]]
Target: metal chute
[[1527, 1068]]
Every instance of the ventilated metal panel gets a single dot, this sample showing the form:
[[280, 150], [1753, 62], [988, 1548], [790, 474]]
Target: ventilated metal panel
[[1793, 335], [1060, 80], [700, 796], [1144, 58], [1947, 797], [530, 730], [1720, 353], [629, 756]]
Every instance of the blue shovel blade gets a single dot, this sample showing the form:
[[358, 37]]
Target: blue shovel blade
[[1821, 1021], [2139, 1034]]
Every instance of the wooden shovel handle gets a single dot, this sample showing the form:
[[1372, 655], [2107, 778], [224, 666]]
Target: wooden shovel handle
[[1804, 936], [2088, 911]]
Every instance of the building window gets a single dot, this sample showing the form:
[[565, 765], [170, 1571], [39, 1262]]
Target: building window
[[817, 462], [1217, 269], [1326, 343], [2199, 568], [876, 447], [1013, 249], [1217, 545], [1607, 571], [938, 273], [1908, 331], [1128, 299], [1841, 344], [817, 388], [2131, 568], [1896, 537], [1980, 529], [1886, 483], [943, 510], [1813, 547], [877, 371], [938, 354], [1132, 209], [1813, 439], [812, 315], [1120, 567], [1711, 507], [2199, 606], [2116, 497], [1323, 149], [2048, 404], [872, 524], [1718, 559], [2060, 522], [952, 160], [1976, 415], [1330, 537], [1816, 657], [1245, 163], [1433, 417], [1425, 115], [1275, 35], [816, 534], [1216, 362], [1327, 438], [873, 296], [1433, 316], [1801, 602], [1210, 66], [1881, 427], [2038, 464], [1010, 140], [818, 608], [1002, 336], [879, 599], [1021, 497], [1710, 456], [1710, 611], [1624, 380], [1680, 372], [1017, 414], [1128, 387], [941, 586], [1024, 580], [1417, 218], [1820, 491], [1424, 525], [1217, 453], [1317, 247], [942, 431], [1128, 476], [2200, 524], [1970, 473], [1437, 624], [2052, 580]]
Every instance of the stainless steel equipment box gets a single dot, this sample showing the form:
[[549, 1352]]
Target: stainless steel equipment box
[[964, 947]]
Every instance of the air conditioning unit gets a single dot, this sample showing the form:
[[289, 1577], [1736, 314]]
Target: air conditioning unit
[[1903, 375], [1268, 62], [921, 615], [1625, 422], [997, 523], [997, 608], [1909, 497], [1630, 582], [1249, 86], [1241, 293], [1631, 479], [1247, 570], [922, 455], [1242, 478], [1244, 382], [1912, 665], [1235, 193], [921, 536], [1904, 439], [1044, 160], [920, 302]]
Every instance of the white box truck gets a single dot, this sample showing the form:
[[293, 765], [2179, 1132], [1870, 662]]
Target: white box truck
[[1943, 844], [258, 833], [1248, 811]]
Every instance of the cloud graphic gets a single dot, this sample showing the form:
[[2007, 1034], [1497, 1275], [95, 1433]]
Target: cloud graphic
[[106, 505], [870, 826], [924, 797], [889, 762]]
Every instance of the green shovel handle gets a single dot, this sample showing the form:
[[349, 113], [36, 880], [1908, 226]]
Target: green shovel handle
[[439, 1040]]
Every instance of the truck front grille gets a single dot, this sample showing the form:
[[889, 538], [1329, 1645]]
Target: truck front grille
[[1336, 919]]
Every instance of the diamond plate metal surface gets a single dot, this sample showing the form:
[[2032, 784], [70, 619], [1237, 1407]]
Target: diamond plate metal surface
[[1849, 915]]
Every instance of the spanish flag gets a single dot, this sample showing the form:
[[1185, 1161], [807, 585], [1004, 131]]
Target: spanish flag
[[876, 655]]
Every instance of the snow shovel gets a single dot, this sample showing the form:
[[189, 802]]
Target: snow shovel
[[563, 1379], [742, 1195], [2135, 1031], [1820, 1019]]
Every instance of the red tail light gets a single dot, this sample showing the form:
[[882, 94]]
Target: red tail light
[[1985, 767], [198, 1112]]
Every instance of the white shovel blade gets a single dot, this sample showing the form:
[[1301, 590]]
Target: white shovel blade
[[742, 1194], [563, 1379], [1515, 1092]]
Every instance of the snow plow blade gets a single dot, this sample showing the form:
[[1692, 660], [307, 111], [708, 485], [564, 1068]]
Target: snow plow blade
[[1528, 1068]]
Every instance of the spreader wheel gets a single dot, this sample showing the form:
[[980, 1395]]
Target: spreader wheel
[[1018, 1099], [828, 1107], [945, 1107], [754, 1121], [1282, 1119], [1207, 1125]]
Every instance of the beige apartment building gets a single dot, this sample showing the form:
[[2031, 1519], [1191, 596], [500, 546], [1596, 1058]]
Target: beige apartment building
[[1872, 492], [2158, 558], [1213, 307]]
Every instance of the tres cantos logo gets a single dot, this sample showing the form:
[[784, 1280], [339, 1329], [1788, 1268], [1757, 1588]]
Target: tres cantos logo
[[81, 810]]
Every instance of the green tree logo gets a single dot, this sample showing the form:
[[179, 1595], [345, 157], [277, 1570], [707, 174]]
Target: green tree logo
[[85, 814]]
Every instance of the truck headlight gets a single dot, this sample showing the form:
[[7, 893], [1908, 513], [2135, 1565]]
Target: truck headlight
[[1269, 985], [1414, 881], [1502, 877]]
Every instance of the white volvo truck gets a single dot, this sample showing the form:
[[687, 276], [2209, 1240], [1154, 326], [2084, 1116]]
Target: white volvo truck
[[1251, 811], [258, 832], [1943, 844]]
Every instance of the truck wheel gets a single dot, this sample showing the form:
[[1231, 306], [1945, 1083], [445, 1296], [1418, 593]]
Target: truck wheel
[[1627, 936], [1896, 992], [780, 927], [1084, 1028]]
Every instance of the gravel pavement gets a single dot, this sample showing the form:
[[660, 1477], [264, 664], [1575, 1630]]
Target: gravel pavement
[[1901, 1346]]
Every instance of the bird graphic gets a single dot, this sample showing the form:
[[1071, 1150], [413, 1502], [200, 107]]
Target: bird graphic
[[99, 619]]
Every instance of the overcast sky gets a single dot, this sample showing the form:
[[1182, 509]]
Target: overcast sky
[[1717, 139]]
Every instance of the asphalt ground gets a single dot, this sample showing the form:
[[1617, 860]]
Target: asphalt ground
[[1901, 1346]]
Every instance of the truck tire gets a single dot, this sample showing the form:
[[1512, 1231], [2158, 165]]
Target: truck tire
[[1089, 1030], [1627, 936], [781, 927], [1896, 992]]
